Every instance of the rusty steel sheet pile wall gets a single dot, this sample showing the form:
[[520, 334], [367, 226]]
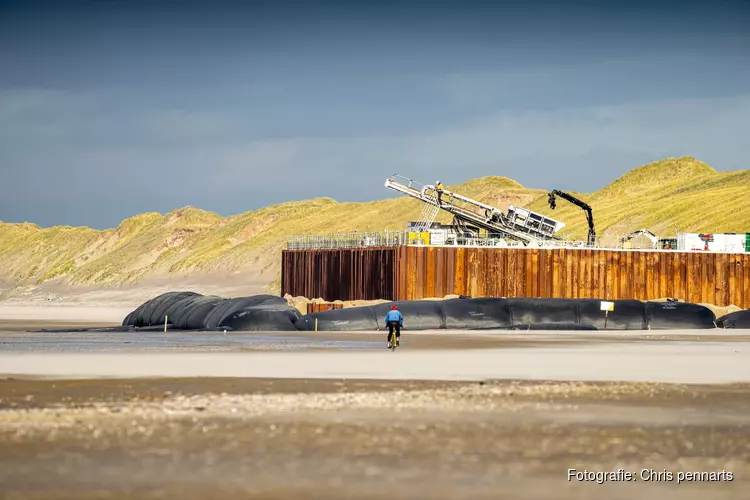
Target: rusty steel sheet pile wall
[[715, 278], [341, 274], [413, 273]]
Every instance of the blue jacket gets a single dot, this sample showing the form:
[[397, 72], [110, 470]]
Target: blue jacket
[[394, 316]]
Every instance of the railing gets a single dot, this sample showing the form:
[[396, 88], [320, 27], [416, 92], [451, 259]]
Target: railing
[[400, 238], [348, 240]]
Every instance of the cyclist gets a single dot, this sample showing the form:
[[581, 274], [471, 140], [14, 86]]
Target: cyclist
[[394, 321]]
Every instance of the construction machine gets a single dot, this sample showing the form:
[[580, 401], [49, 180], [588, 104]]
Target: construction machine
[[591, 240], [642, 232], [469, 216]]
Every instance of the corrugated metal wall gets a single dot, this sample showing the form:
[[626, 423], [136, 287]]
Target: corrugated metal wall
[[409, 273], [715, 278], [345, 274]]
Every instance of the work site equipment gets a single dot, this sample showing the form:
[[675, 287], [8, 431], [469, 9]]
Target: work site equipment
[[591, 241], [469, 215], [642, 232]]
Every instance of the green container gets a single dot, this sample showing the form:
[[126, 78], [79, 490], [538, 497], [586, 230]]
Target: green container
[[747, 242]]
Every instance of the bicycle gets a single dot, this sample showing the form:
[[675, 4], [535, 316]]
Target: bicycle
[[393, 341]]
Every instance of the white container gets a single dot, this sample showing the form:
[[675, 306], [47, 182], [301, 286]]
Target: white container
[[438, 236], [721, 242]]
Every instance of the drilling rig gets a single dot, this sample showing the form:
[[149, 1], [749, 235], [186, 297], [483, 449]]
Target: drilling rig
[[518, 224]]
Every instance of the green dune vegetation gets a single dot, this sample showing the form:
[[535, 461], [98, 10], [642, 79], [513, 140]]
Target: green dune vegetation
[[667, 196]]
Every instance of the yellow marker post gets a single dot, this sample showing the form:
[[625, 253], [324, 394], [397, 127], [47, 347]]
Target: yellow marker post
[[607, 306]]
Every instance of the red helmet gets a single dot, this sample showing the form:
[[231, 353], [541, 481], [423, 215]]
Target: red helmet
[[394, 307]]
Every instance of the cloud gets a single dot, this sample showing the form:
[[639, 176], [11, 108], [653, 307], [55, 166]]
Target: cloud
[[263, 166], [164, 157], [177, 126], [599, 80], [706, 128]]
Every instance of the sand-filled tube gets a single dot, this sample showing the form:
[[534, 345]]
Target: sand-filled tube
[[192, 311], [160, 311], [476, 314], [261, 318], [177, 312], [554, 326], [627, 314], [195, 316], [246, 304], [737, 319], [679, 315], [350, 319], [517, 314], [418, 314]]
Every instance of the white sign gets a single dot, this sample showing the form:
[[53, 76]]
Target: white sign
[[607, 306]]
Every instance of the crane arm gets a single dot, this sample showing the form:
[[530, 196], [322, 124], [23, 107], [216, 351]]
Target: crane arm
[[581, 204], [645, 232]]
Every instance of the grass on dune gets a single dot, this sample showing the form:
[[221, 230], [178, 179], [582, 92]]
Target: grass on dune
[[674, 194]]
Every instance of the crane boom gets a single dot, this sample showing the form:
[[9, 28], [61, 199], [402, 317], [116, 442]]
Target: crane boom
[[591, 240], [518, 224]]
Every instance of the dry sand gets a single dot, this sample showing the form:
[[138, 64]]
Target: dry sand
[[109, 305], [245, 438]]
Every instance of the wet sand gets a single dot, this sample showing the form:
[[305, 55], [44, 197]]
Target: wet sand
[[677, 357], [87, 415]]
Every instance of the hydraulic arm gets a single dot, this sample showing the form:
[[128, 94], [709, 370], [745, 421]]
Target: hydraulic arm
[[591, 241]]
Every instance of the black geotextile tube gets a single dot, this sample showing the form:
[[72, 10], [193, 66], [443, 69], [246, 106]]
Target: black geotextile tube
[[526, 313], [679, 315], [349, 319], [211, 319], [131, 318], [190, 310], [476, 314], [418, 314], [158, 316], [195, 314], [530, 311], [259, 318], [554, 326], [737, 319], [178, 309], [269, 312], [246, 303], [627, 315], [128, 319], [143, 315], [144, 318]]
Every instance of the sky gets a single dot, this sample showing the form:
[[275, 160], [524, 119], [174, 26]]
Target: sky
[[112, 108]]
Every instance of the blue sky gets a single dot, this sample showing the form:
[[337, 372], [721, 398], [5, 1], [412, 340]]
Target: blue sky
[[110, 108]]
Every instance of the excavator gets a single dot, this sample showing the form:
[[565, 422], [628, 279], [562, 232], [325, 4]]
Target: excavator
[[591, 241], [642, 232]]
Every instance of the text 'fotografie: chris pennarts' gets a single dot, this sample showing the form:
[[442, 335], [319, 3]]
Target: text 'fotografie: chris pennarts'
[[622, 475]]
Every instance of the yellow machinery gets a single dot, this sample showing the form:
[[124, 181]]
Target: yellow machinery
[[419, 238]]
